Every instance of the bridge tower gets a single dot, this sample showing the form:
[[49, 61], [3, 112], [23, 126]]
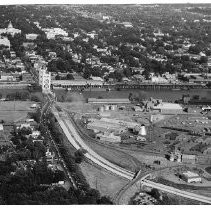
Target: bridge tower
[[45, 79]]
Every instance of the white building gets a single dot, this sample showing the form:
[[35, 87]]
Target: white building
[[25, 125], [158, 79], [31, 36], [127, 24], [168, 107], [46, 82], [10, 30], [35, 134], [5, 42], [52, 32], [191, 177]]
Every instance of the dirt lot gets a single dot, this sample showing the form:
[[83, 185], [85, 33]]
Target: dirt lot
[[106, 183]]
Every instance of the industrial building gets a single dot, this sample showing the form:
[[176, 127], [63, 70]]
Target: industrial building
[[191, 159], [110, 137], [82, 83], [168, 107], [190, 177], [108, 101], [102, 126]]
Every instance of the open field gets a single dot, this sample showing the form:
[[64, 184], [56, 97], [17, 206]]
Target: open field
[[4, 92], [97, 178], [11, 111]]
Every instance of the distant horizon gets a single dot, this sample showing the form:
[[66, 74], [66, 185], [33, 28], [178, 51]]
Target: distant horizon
[[110, 2]]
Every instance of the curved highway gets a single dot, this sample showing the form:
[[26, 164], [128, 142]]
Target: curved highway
[[78, 143]]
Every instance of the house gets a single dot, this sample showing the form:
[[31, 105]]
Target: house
[[25, 125], [34, 106], [35, 134], [49, 156], [31, 36]]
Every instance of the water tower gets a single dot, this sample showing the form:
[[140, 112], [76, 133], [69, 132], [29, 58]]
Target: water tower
[[143, 131]]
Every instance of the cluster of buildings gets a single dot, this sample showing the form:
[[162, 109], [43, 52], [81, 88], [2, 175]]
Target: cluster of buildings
[[31, 125], [157, 105], [12, 69], [51, 33], [40, 70], [182, 158], [111, 129]]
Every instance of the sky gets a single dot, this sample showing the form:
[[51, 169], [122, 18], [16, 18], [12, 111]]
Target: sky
[[102, 1]]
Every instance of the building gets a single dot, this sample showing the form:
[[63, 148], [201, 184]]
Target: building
[[34, 106], [27, 77], [46, 82], [35, 134], [51, 33], [168, 107], [31, 36], [5, 41], [190, 177], [1, 127], [102, 126], [45, 79], [50, 156], [110, 137], [108, 101], [190, 159], [81, 83], [127, 24], [24, 125], [10, 30]]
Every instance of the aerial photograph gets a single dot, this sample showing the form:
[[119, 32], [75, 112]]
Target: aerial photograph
[[105, 104]]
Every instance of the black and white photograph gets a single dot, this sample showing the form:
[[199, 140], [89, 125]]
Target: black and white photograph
[[105, 103]]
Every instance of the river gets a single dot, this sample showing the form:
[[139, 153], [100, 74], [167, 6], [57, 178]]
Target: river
[[165, 95]]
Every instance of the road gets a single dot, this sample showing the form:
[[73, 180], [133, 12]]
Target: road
[[45, 109], [175, 191], [78, 143]]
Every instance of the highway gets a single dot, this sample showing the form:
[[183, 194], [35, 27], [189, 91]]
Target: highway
[[78, 143], [175, 191]]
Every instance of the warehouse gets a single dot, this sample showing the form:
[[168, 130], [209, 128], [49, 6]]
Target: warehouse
[[108, 101], [190, 159], [109, 137], [102, 126], [168, 107], [190, 177]]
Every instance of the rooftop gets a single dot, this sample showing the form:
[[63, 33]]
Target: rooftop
[[190, 174]]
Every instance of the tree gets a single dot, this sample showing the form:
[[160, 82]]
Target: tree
[[70, 77]]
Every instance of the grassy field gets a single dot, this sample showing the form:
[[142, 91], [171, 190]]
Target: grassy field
[[11, 111], [106, 183]]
